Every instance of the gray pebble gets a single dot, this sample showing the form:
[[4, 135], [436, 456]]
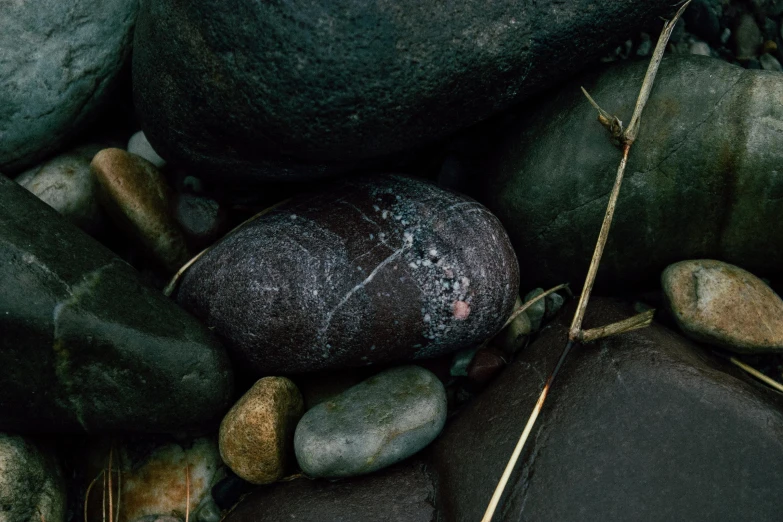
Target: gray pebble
[[770, 63], [139, 146], [537, 310]]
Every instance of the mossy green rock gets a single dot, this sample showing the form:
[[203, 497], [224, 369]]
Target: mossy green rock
[[86, 346], [704, 178], [381, 421]]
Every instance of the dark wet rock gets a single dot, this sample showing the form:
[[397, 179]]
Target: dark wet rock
[[59, 64], [747, 38], [700, 181], [643, 423], [461, 361], [724, 305], [65, 184], [202, 219], [84, 345], [252, 91], [537, 310], [373, 425], [374, 270], [32, 486], [136, 196], [701, 19], [227, 491], [486, 365], [321, 387], [402, 493], [257, 434]]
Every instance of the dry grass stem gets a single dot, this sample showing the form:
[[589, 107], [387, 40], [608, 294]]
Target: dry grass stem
[[175, 280], [530, 303], [87, 494], [757, 374], [187, 492], [642, 320], [111, 507], [627, 137]]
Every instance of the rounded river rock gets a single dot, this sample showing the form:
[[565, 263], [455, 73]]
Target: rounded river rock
[[381, 421], [376, 269]]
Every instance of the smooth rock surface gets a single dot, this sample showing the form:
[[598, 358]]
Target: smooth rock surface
[[140, 146], [230, 91], [373, 270], [136, 196], [402, 493], [643, 425], [84, 345], [256, 435], [32, 486], [724, 305], [703, 178], [201, 219], [59, 61], [379, 422], [65, 184]]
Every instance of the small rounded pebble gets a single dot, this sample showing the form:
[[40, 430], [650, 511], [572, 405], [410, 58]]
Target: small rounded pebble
[[256, 434], [513, 337], [486, 365], [139, 145]]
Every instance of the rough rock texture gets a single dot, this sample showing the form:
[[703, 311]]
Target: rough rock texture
[[32, 487], [373, 270], [403, 493], [84, 345], [58, 62], [232, 90], [155, 477], [722, 304], [65, 184], [645, 424], [136, 195], [375, 424], [702, 179], [256, 435]]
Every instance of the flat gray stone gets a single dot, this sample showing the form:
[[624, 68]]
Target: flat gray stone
[[383, 420]]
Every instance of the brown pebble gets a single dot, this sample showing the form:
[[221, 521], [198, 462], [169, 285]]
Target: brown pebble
[[486, 365]]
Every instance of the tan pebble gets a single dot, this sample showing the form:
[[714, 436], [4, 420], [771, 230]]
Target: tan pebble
[[256, 435]]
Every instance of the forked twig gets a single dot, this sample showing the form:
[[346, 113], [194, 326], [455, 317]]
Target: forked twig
[[627, 138]]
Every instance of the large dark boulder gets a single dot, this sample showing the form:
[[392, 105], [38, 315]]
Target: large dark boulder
[[642, 426], [703, 178], [251, 88], [84, 345]]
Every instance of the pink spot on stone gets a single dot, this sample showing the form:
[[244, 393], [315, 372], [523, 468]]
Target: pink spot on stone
[[461, 310]]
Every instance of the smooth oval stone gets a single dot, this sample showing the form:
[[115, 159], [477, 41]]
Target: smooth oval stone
[[66, 184], [85, 345], [139, 146], [137, 197], [59, 63], [375, 269], [702, 179], [383, 420], [32, 486], [256, 435], [201, 219], [722, 304], [344, 80]]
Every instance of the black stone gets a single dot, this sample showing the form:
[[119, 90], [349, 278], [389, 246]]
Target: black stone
[[277, 89], [84, 345], [373, 270], [641, 426]]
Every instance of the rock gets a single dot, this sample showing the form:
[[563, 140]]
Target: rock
[[32, 487], [645, 46], [537, 310], [554, 302], [514, 336], [402, 493], [700, 180], [139, 146], [59, 62], [645, 417], [702, 20], [256, 435], [230, 489], [136, 196], [371, 426], [461, 361], [721, 304], [65, 184], [321, 387], [202, 219], [700, 49], [747, 37], [85, 346], [373, 270], [770, 63], [486, 365], [155, 480], [346, 81]]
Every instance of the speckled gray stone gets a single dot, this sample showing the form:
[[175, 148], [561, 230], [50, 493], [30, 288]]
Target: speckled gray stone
[[703, 178], [58, 61], [32, 487], [373, 270], [226, 89], [381, 421]]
